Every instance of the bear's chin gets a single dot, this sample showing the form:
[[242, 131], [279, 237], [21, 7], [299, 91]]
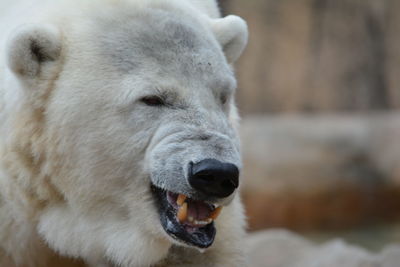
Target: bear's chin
[[195, 232]]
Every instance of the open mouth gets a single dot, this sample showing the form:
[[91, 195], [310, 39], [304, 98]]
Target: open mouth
[[187, 220]]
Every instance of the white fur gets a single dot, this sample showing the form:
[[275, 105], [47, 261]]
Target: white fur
[[231, 32], [77, 147]]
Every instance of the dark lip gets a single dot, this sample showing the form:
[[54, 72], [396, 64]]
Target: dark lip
[[202, 237]]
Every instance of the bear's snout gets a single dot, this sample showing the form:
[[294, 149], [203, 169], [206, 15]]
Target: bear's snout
[[213, 177]]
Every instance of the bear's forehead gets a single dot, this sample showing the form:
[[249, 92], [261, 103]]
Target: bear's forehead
[[160, 40]]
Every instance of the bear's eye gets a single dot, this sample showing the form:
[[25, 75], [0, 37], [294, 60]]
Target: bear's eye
[[153, 100]]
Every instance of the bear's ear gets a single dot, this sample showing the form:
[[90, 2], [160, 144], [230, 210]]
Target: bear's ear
[[31, 48], [232, 34]]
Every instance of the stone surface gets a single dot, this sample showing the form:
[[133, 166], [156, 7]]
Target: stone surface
[[280, 248], [321, 172], [319, 55]]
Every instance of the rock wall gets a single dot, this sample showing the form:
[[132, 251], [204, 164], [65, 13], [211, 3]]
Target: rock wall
[[321, 172], [319, 55]]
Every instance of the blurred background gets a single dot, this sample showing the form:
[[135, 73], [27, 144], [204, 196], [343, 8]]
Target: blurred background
[[319, 96]]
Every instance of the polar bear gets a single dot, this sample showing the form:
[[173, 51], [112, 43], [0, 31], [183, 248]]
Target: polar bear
[[118, 134]]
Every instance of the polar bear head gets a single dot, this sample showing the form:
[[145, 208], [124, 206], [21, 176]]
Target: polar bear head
[[127, 116]]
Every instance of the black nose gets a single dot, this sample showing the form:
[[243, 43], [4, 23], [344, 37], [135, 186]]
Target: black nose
[[213, 177]]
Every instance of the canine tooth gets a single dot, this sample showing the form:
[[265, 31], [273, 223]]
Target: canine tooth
[[190, 219], [182, 212], [209, 220], [181, 198], [214, 215]]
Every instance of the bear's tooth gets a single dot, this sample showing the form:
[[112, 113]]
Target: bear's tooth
[[182, 212], [215, 213], [181, 198], [200, 222]]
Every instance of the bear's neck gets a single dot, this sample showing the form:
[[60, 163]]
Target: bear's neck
[[22, 246], [20, 179]]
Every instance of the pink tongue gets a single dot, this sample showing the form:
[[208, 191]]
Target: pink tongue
[[198, 210]]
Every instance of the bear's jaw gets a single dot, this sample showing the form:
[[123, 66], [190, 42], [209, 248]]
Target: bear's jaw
[[186, 220]]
